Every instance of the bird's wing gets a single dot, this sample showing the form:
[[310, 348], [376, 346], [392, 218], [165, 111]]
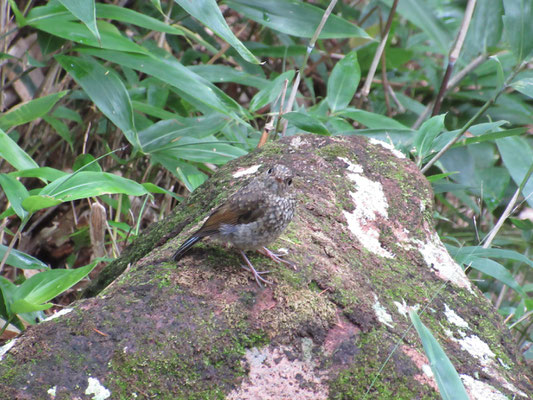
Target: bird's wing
[[243, 207]]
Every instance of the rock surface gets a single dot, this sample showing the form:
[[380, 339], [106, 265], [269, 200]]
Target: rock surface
[[336, 327]]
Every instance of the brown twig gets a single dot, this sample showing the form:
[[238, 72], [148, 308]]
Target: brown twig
[[386, 85], [457, 78], [379, 51], [454, 54]]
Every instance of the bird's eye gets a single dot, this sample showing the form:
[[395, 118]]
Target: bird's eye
[[289, 181], [270, 170]]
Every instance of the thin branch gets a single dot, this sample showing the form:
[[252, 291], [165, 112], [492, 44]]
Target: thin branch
[[384, 36], [480, 112], [457, 78], [310, 48], [454, 54], [508, 210]]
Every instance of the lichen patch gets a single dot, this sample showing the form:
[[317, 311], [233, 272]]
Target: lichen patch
[[388, 146], [422, 362], [5, 348], [477, 348], [370, 204], [58, 314], [99, 391], [274, 375], [478, 390], [246, 171], [381, 313], [486, 358], [453, 318], [437, 258]]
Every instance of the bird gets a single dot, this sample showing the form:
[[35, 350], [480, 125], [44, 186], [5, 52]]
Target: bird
[[251, 218]]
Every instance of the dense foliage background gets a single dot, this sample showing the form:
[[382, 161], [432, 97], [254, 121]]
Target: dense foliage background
[[113, 111]]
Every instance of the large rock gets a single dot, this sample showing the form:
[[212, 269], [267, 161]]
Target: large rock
[[336, 327]]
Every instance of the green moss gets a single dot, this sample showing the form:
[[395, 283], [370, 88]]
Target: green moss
[[365, 375], [272, 149], [334, 150], [9, 370], [203, 361]]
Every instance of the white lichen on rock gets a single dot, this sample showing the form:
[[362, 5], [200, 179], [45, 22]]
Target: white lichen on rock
[[381, 313], [453, 318], [388, 146], [370, 204], [274, 376], [246, 171], [99, 391], [437, 257]]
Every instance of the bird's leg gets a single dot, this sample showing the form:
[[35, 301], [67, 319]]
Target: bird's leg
[[276, 257], [257, 275]]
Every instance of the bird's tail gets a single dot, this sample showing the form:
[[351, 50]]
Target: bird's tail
[[185, 246]]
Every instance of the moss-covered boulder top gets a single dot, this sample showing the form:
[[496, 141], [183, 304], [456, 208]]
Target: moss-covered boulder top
[[334, 327]]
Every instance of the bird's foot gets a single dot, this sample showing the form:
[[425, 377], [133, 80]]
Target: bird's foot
[[257, 274], [276, 257]]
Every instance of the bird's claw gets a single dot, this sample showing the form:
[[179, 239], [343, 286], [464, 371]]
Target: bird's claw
[[257, 275], [276, 257]]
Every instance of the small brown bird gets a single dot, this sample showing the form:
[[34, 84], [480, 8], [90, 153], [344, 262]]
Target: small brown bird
[[251, 218]]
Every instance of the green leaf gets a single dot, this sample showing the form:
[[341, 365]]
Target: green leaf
[[160, 134], [15, 192], [187, 173], [495, 270], [170, 71], [438, 177], [62, 112], [13, 154], [522, 224], [494, 182], [426, 136], [448, 380], [84, 184], [460, 254], [524, 86], [225, 73], [517, 156], [158, 189], [296, 18], [490, 137], [306, 122], [55, 20], [372, 120], [127, 15], [29, 110], [36, 202], [46, 285], [61, 129], [207, 12], [343, 82], [106, 90], [21, 260], [208, 149], [43, 173], [83, 10], [518, 27], [270, 92], [421, 14], [21, 21], [485, 30], [86, 162], [21, 306], [7, 289]]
